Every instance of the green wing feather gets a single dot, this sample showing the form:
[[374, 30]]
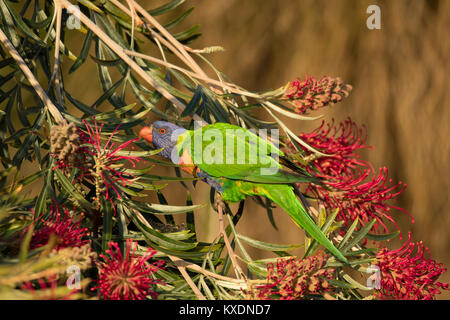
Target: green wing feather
[[243, 155]]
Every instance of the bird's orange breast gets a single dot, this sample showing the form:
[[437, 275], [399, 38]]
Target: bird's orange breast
[[187, 164]]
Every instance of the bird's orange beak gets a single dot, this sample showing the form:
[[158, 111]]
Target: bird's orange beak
[[146, 134]]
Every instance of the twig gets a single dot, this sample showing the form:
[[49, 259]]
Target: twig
[[139, 22], [197, 268], [225, 85], [56, 62], [169, 37], [188, 279], [155, 35], [31, 78], [237, 269]]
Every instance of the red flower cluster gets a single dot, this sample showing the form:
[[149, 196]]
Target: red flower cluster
[[292, 279], [349, 183], [408, 277], [340, 142], [311, 94], [99, 164], [129, 277], [64, 226], [105, 161], [356, 198]]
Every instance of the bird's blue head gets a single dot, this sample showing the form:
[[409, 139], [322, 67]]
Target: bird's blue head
[[162, 134]]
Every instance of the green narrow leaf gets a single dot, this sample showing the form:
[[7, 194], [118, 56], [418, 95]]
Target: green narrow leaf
[[146, 186], [20, 109], [349, 233], [90, 5], [257, 269], [116, 113], [107, 63], [83, 53], [266, 245], [190, 107], [130, 191], [29, 179], [188, 35], [215, 108], [69, 188], [8, 26], [107, 94], [325, 228], [160, 239], [140, 154], [25, 244], [162, 200], [382, 237], [29, 140], [22, 26], [190, 217], [107, 223], [165, 7], [178, 20], [80, 105], [159, 209], [340, 284], [151, 177], [111, 8], [179, 235], [355, 283], [361, 234], [122, 224], [40, 205], [104, 75]]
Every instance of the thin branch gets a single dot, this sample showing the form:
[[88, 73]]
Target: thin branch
[[134, 17], [31, 78], [56, 62], [169, 37], [155, 35], [197, 268], [188, 279], [237, 269], [225, 85]]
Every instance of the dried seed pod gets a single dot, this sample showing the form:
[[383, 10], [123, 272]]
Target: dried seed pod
[[64, 141]]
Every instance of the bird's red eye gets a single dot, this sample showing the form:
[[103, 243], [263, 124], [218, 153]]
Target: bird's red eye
[[162, 130]]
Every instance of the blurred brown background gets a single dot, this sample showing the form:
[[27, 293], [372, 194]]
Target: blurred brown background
[[400, 91]]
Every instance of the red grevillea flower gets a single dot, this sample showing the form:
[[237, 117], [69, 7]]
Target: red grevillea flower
[[340, 143], [358, 198], [129, 277], [409, 276], [66, 228], [99, 163], [106, 160], [292, 279], [311, 94], [349, 184]]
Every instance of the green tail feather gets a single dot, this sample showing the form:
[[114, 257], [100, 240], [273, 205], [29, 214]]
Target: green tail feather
[[284, 196]]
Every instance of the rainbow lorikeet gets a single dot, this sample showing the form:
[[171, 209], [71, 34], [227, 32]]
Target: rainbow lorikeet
[[237, 163]]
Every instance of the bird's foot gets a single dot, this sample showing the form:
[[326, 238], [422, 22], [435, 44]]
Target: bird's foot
[[218, 202]]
